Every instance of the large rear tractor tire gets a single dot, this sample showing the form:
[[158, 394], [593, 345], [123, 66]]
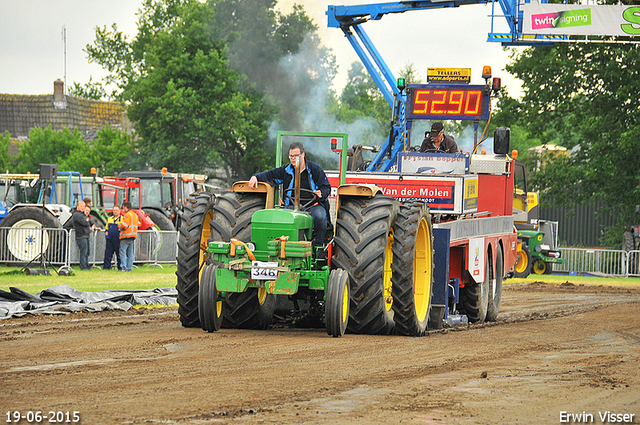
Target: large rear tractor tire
[[629, 243], [363, 248], [412, 269], [160, 220], [192, 255], [336, 307], [254, 308], [522, 267], [495, 288], [25, 239], [209, 301], [474, 299]]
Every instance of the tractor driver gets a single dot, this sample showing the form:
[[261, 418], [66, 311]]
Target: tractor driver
[[312, 178], [435, 140]]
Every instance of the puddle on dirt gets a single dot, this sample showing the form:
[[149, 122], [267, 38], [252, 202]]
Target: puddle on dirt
[[346, 401], [51, 366]]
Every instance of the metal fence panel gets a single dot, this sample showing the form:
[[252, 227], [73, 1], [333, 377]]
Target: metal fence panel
[[605, 261], [151, 246], [633, 263], [23, 245]]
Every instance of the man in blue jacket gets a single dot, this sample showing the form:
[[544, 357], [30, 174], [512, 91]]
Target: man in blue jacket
[[112, 235], [312, 178]]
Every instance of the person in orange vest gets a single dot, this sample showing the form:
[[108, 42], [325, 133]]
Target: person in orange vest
[[128, 234]]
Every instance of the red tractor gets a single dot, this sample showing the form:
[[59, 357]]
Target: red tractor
[[116, 190]]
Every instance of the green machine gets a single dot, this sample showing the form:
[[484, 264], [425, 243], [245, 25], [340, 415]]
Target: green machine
[[240, 250], [539, 246]]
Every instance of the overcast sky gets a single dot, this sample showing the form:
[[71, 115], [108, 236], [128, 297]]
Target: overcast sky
[[32, 50]]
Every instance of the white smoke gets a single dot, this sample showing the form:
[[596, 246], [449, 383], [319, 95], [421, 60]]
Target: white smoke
[[305, 104]]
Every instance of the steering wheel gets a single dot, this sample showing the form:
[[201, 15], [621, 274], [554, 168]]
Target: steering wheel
[[291, 197], [433, 150]]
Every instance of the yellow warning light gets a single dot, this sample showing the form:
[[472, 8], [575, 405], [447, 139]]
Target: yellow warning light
[[486, 72]]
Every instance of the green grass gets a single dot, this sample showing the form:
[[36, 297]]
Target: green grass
[[585, 280], [149, 278], [94, 280]]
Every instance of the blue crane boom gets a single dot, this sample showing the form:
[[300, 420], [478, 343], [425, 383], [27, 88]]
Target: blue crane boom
[[349, 20]]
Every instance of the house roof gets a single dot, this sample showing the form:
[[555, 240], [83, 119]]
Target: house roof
[[20, 113]]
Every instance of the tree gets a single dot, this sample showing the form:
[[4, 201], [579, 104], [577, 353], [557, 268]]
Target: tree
[[112, 151], [200, 81], [584, 97], [183, 99], [90, 90], [65, 148], [6, 162]]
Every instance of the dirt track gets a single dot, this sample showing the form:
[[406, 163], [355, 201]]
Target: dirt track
[[554, 349]]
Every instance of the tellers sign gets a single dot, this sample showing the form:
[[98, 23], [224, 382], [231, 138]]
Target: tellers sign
[[447, 102]]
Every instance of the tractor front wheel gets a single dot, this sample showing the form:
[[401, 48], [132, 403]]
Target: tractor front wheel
[[209, 301], [336, 307], [254, 308], [542, 267], [192, 255]]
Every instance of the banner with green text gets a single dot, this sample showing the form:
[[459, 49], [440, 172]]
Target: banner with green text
[[576, 19]]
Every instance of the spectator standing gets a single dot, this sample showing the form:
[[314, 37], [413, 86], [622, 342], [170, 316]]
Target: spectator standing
[[112, 235], [128, 234], [82, 227]]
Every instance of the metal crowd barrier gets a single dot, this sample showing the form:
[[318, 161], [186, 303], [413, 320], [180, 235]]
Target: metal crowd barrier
[[23, 245], [606, 261], [20, 246]]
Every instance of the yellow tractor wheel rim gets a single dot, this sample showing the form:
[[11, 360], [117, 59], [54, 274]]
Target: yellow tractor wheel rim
[[388, 258], [539, 267], [422, 269], [262, 295], [205, 234], [522, 261], [345, 302]]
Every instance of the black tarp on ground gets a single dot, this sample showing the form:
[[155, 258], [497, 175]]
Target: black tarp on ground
[[65, 299]]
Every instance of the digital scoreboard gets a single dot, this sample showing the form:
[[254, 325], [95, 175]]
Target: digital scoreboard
[[447, 102]]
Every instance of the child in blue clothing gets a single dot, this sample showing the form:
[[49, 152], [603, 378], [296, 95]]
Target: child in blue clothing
[[112, 233]]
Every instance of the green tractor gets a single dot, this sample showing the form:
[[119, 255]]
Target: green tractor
[[240, 254]]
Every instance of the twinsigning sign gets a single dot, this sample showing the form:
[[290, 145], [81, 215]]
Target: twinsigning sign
[[580, 19]]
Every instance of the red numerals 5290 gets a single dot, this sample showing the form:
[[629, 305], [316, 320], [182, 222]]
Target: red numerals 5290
[[447, 102]]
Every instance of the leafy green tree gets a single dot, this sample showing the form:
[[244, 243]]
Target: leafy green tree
[[45, 146], [585, 97], [6, 162], [112, 151], [203, 82], [361, 98], [184, 100], [90, 90]]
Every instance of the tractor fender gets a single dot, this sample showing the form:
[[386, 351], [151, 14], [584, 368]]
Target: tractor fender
[[366, 190], [60, 211], [266, 188]]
